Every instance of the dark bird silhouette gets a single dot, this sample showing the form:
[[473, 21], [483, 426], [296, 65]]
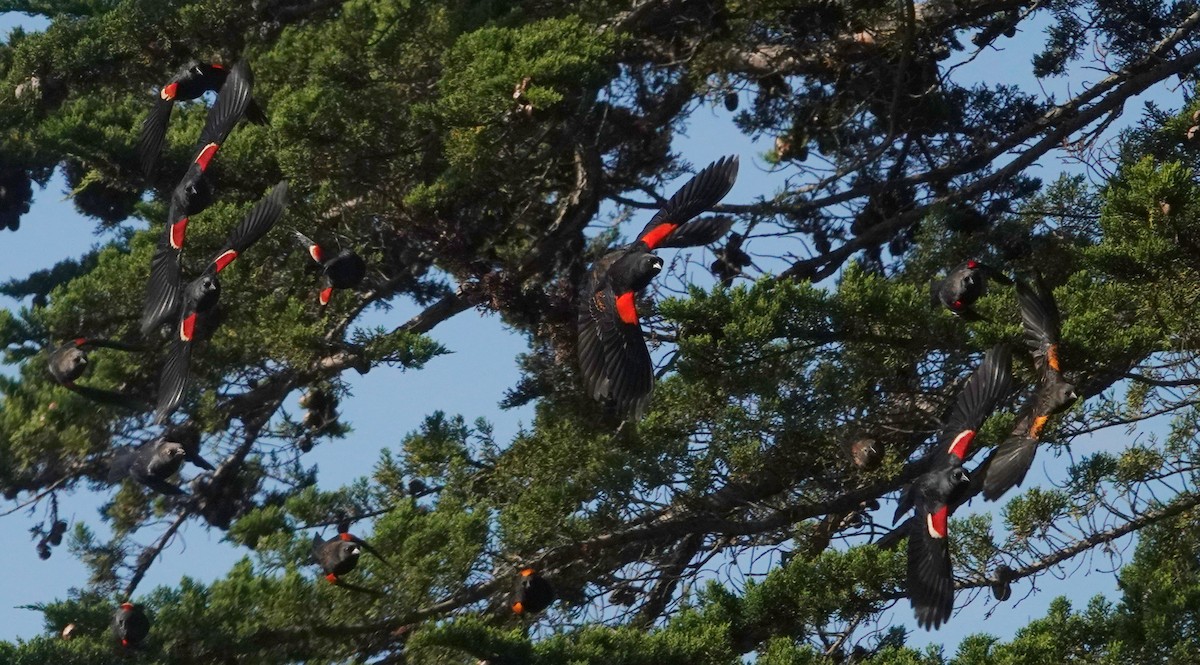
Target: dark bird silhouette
[[613, 359], [201, 296], [190, 197], [151, 464], [964, 285], [68, 362], [344, 270], [338, 556], [189, 438], [533, 593], [1006, 467], [943, 487], [190, 82], [130, 625], [1002, 584]]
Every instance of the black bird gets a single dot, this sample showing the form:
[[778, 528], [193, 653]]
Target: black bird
[[192, 195], [613, 359], [188, 437], [943, 486], [190, 82], [1006, 467], [69, 361], [533, 593], [964, 285], [201, 296], [339, 556], [130, 625], [344, 270], [150, 464], [1002, 584]]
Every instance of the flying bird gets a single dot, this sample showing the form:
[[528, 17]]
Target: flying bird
[[344, 270], [152, 464], [189, 438], [944, 485], [201, 296], [68, 362], [613, 359], [1006, 467], [190, 82], [190, 197], [959, 289], [532, 594], [338, 556], [130, 625]]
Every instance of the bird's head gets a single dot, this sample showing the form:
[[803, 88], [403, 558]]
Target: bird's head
[[958, 476]]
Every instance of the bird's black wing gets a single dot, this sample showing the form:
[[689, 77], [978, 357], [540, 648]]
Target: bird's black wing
[[987, 386], [1040, 319], [672, 227], [232, 101], [153, 135], [613, 357], [261, 218], [109, 398], [930, 575], [314, 250], [164, 290], [173, 380], [1007, 465]]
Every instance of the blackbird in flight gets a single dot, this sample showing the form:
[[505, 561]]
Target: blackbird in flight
[[943, 486], [69, 361], [191, 196], [344, 270], [152, 464], [1006, 467], [613, 359], [201, 296], [338, 556], [190, 82]]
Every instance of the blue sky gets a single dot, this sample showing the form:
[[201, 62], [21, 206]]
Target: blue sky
[[388, 403]]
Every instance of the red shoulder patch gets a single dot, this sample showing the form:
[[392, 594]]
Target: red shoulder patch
[[626, 308], [936, 523], [658, 233], [959, 446], [206, 155], [178, 231], [188, 328], [225, 259], [169, 90]]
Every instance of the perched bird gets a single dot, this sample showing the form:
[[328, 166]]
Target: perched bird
[[190, 82], [339, 556], [150, 464], [191, 196], [613, 359], [69, 361], [130, 625], [344, 270], [1006, 467], [964, 285], [943, 487], [201, 296], [533, 593], [1002, 584]]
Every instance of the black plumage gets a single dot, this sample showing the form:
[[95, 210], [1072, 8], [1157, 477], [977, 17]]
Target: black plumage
[[613, 360]]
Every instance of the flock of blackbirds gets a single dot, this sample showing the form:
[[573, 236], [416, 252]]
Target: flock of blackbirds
[[615, 363]]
